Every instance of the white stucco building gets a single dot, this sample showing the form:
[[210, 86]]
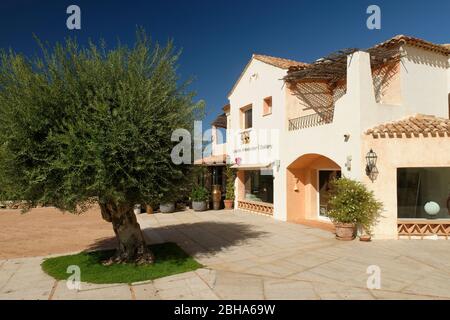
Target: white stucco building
[[293, 126]]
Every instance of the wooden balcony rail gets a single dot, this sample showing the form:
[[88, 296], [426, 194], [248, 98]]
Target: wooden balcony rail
[[312, 120]]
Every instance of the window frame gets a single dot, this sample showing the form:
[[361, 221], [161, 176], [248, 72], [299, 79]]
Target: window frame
[[266, 106]]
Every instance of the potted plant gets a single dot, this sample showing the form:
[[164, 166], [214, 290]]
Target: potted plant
[[199, 197], [167, 203], [150, 206], [352, 204], [229, 195]]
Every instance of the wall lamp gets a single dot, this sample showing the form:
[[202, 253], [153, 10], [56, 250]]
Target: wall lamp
[[371, 165]]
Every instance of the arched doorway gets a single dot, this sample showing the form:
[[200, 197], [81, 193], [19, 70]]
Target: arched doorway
[[307, 194]]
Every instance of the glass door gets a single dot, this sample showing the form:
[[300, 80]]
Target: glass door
[[324, 179]]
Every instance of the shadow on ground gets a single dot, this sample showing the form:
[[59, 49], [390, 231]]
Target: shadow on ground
[[197, 238]]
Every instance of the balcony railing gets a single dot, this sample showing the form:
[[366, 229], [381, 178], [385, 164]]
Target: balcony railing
[[245, 137], [312, 120]]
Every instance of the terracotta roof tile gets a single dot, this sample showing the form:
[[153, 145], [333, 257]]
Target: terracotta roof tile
[[212, 160], [278, 62], [444, 49], [413, 126]]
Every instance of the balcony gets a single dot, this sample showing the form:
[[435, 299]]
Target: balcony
[[312, 120], [245, 136]]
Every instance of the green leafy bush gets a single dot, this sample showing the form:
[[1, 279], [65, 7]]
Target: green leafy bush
[[230, 174], [352, 202], [199, 194]]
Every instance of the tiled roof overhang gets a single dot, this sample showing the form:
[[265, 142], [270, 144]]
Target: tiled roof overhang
[[414, 126]]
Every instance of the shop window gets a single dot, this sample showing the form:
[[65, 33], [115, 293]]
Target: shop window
[[423, 193], [258, 186], [325, 179]]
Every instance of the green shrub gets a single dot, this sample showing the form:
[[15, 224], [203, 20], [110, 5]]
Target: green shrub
[[230, 174], [352, 202], [199, 194]]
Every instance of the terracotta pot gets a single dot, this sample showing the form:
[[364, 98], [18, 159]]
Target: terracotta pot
[[365, 238], [228, 204], [149, 209], [345, 231], [216, 197]]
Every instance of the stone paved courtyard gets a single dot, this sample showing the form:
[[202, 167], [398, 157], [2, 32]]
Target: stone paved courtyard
[[248, 256]]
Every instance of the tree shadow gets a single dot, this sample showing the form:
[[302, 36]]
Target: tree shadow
[[196, 238]]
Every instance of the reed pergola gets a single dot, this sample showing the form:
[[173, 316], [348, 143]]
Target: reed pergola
[[332, 69], [320, 84]]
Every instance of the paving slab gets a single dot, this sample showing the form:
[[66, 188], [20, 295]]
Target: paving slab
[[247, 256], [92, 292]]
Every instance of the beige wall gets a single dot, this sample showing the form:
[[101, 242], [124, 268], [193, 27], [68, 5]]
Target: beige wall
[[387, 84], [304, 97], [395, 153], [424, 82], [302, 186]]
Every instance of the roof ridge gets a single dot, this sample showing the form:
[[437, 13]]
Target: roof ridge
[[283, 63], [414, 41]]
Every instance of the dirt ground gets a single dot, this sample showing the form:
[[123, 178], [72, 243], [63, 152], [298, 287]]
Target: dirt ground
[[45, 231]]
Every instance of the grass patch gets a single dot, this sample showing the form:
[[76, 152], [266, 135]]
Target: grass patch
[[169, 259]]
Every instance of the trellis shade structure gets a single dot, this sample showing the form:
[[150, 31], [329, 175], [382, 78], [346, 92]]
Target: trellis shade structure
[[333, 68]]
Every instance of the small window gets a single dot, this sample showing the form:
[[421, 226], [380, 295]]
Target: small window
[[267, 106], [248, 121]]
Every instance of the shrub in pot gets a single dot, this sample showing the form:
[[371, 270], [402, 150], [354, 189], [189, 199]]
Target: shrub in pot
[[167, 203], [352, 204], [167, 207], [229, 195], [199, 197]]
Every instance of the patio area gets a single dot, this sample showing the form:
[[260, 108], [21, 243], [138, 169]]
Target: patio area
[[249, 256]]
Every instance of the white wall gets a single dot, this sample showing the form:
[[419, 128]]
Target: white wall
[[259, 81]]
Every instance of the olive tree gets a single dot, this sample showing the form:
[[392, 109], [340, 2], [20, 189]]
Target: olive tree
[[84, 125]]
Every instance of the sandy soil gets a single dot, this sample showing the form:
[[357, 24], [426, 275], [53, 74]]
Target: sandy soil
[[45, 231]]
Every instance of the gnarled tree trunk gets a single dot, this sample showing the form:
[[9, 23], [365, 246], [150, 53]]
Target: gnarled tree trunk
[[132, 246]]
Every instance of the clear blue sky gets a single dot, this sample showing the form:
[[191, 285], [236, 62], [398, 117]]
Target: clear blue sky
[[219, 36]]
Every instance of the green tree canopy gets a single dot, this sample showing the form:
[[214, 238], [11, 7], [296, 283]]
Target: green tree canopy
[[84, 124]]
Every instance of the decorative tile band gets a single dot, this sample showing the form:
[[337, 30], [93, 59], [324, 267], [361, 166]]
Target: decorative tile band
[[258, 207], [423, 229]]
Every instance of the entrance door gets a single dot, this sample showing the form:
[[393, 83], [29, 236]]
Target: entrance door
[[324, 178]]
